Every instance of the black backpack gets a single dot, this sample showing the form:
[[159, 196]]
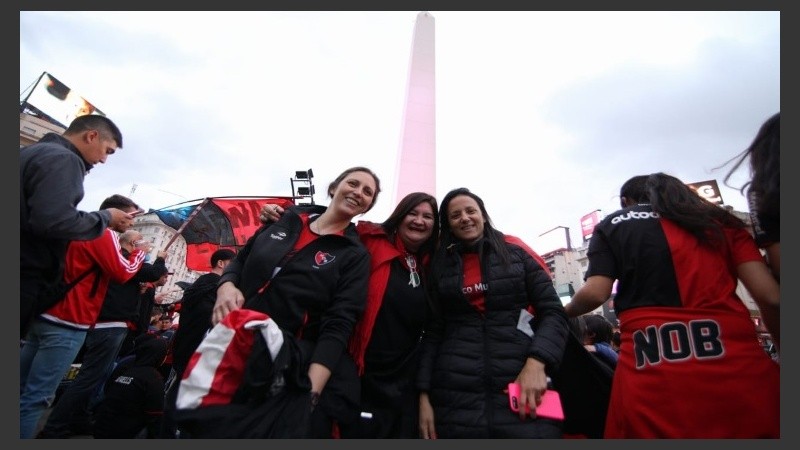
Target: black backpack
[[51, 294]]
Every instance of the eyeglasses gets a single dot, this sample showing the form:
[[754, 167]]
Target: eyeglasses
[[414, 280]]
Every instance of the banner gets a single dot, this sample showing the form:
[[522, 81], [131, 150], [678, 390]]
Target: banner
[[588, 222], [216, 222]]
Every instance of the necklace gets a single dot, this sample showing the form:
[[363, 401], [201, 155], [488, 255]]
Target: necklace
[[414, 280]]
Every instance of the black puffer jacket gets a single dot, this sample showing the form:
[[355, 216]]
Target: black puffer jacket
[[468, 358]]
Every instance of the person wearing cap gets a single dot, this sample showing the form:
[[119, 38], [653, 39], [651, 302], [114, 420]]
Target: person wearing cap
[[103, 344], [197, 305]]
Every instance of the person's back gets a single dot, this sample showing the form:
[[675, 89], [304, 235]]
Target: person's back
[[133, 400], [687, 338], [51, 186], [197, 305]]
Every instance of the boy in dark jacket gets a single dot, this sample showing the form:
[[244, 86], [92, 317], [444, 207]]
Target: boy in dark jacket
[[134, 396]]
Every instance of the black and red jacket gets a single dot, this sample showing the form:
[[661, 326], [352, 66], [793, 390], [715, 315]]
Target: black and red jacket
[[318, 293]]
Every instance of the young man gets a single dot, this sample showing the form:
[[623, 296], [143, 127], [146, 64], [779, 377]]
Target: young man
[[56, 336], [51, 174]]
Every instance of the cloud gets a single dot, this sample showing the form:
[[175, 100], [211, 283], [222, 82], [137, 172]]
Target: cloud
[[542, 113]]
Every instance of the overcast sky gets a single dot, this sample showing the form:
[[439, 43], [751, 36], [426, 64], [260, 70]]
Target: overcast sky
[[542, 114]]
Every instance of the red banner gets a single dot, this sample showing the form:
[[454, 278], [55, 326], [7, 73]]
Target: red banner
[[217, 222]]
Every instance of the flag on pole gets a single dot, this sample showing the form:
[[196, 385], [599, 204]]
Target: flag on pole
[[215, 222]]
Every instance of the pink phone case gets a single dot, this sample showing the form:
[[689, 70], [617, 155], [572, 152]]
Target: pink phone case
[[549, 408]]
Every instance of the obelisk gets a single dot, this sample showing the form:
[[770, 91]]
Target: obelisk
[[416, 156]]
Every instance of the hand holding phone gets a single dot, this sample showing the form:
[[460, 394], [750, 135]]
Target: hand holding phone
[[549, 408]]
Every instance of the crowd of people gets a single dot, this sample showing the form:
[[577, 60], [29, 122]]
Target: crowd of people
[[415, 327]]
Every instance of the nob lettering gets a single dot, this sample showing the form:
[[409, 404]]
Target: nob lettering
[[635, 215], [677, 341]]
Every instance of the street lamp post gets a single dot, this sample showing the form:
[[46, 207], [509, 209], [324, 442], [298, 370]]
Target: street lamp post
[[566, 229]]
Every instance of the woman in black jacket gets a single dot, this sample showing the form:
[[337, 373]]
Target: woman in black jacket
[[499, 321], [309, 272]]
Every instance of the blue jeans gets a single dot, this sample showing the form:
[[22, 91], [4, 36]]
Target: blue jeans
[[100, 350], [46, 355]]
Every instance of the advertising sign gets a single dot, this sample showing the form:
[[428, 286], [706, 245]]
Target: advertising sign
[[708, 190], [53, 101], [588, 222]]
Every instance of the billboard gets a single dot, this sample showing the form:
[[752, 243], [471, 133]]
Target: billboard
[[588, 222], [708, 190], [53, 101]]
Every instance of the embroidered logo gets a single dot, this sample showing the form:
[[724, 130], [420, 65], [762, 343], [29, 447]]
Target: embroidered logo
[[278, 237], [322, 258]]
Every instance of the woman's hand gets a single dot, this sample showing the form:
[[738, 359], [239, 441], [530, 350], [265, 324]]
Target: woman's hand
[[532, 380], [270, 213], [427, 430], [229, 298]]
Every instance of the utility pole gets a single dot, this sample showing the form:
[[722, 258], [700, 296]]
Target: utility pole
[[566, 229]]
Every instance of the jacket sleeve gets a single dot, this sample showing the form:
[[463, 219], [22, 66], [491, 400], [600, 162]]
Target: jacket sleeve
[[233, 271], [347, 305], [53, 184], [550, 320], [108, 255]]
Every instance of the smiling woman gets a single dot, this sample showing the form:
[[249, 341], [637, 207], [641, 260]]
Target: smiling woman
[[400, 249], [486, 285], [320, 293]]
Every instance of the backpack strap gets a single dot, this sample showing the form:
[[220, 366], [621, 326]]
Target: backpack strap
[[74, 282]]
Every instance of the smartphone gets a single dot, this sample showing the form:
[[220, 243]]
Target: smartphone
[[549, 408]]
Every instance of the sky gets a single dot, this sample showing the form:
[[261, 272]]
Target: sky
[[544, 114]]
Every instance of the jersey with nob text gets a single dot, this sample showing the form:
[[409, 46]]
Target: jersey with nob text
[[658, 263]]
